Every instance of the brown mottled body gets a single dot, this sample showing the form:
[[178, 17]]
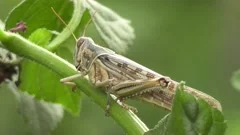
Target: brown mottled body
[[125, 78], [148, 86]]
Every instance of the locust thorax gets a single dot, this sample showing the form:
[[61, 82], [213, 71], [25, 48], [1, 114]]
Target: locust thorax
[[87, 52], [83, 55]]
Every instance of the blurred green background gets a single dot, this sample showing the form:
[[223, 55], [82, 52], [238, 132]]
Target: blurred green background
[[191, 40]]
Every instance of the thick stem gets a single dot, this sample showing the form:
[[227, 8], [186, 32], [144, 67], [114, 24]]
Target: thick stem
[[72, 25]]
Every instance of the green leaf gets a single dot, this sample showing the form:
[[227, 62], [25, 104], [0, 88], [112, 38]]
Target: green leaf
[[38, 13], [37, 79], [160, 128], [219, 124], [41, 37], [44, 83], [60, 93], [115, 30], [41, 117], [236, 79], [190, 117]]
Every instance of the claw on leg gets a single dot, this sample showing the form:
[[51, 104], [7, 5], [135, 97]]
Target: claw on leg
[[74, 88], [107, 110], [120, 102], [128, 107]]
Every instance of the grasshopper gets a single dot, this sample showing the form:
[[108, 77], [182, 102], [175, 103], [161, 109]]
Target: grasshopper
[[123, 77]]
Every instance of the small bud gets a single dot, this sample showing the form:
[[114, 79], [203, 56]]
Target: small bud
[[21, 26]]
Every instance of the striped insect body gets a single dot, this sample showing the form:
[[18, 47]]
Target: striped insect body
[[123, 77]]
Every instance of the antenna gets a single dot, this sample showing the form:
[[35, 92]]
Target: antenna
[[89, 21], [63, 22]]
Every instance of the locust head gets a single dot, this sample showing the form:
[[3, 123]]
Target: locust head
[[86, 51], [84, 54]]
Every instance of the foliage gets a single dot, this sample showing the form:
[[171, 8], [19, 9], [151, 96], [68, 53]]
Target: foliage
[[190, 117], [46, 40]]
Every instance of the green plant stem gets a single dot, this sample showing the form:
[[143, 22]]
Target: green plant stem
[[22, 47], [72, 25]]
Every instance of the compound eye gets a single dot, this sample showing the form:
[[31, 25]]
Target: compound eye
[[80, 42]]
